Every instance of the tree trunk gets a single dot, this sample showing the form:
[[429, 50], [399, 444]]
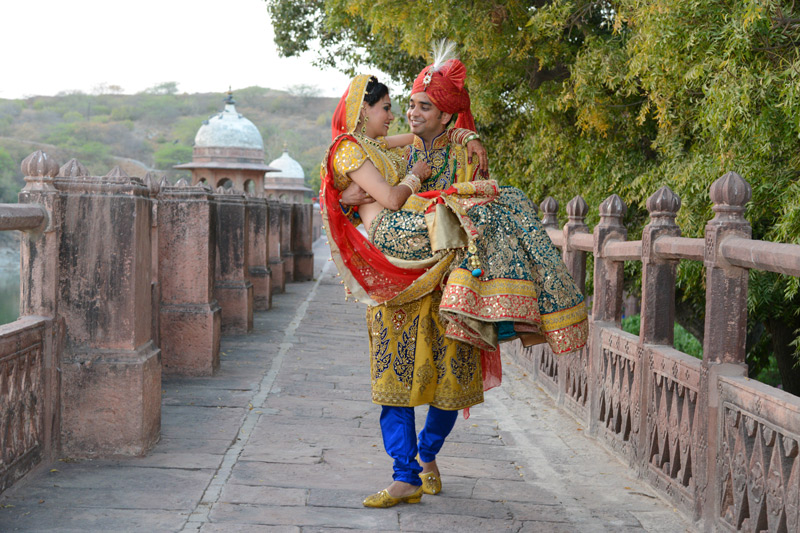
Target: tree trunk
[[782, 335]]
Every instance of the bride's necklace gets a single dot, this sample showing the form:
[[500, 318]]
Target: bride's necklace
[[369, 140]]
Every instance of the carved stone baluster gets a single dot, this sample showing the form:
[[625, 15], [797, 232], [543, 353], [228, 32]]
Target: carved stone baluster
[[549, 207], [274, 247], [725, 326], [726, 285], [607, 305], [576, 259], [658, 275]]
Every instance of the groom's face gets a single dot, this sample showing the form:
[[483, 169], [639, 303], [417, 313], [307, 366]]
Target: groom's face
[[425, 118]]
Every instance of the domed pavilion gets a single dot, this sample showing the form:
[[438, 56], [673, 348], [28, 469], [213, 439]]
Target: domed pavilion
[[288, 183], [229, 152]]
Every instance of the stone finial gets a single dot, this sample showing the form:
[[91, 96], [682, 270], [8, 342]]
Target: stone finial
[[577, 209], [152, 184], [117, 172], [73, 169], [730, 193], [164, 182], [182, 183], [39, 164], [612, 210], [220, 190], [549, 207], [663, 203]]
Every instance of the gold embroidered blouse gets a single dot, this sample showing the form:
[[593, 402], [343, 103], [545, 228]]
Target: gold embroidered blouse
[[351, 155]]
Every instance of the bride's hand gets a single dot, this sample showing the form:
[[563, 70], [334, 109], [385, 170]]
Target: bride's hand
[[421, 170], [355, 195]]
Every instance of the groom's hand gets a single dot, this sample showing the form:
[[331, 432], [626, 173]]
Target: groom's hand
[[475, 148], [355, 195]]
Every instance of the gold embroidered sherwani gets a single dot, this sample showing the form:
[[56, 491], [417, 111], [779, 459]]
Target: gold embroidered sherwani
[[412, 362]]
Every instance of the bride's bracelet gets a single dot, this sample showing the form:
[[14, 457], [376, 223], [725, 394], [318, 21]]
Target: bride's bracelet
[[412, 182]]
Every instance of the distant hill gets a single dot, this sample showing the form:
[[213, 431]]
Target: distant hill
[[151, 131]]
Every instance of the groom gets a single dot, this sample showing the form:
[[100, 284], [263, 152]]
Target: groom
[[413, 363]]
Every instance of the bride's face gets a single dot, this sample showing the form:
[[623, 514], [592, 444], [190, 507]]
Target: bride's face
[[380, 116]]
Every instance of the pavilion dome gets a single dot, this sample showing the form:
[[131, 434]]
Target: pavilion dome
[[228, 129], [287, 167]]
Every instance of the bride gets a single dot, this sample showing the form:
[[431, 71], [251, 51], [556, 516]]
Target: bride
[[501, 276]]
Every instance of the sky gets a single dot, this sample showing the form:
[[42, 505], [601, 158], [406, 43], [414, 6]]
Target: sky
[[51, 46]]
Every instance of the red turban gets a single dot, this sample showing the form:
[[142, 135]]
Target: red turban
[[445, 88]]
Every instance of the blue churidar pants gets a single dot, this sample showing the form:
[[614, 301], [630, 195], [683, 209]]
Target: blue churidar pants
[[402, 443]]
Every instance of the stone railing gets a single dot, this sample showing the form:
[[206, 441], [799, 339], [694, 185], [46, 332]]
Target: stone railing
[[721, 447], [123, 279]]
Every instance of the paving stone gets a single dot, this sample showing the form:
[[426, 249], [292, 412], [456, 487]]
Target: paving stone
[[71, 520], [417, 520], [263, 495], [512, 491], [249, 528], [200, 422], [369, 519]]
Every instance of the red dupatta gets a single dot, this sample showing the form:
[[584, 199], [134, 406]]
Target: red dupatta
[[376, 275]]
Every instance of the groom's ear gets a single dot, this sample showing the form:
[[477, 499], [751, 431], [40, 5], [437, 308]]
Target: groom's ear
[[444, 118]]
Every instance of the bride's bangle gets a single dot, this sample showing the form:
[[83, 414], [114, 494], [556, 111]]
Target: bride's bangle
[[412, 182]]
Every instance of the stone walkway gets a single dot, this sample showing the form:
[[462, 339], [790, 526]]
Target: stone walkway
[[285, 439]]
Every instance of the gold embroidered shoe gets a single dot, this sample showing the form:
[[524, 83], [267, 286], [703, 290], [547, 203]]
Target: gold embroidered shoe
[[431, 483], [383, 499]]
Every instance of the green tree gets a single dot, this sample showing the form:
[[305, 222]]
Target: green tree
[[592, 97], [10, 178], [172, 154]]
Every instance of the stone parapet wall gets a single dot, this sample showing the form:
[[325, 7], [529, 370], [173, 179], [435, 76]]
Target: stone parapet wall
[[723, 449], [121, 279]]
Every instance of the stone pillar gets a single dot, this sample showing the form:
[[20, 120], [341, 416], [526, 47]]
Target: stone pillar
[[153, 186], [111, 370], [190, 317], [258, 269], [39, 250], [725, 322], [576, 259], [302, 242], [549, 207], [39, 282], [726, 285], [233, 290], [274, 247], [658, 275], [607, 306], [287, 254]]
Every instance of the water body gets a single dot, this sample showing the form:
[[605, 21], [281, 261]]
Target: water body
[[9, 283]]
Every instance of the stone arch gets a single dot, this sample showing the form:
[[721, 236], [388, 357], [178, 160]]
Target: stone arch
[[250, 187], [225, 183]]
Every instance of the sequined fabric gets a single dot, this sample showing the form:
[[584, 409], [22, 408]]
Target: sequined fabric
[[414, 363], [524, 279]]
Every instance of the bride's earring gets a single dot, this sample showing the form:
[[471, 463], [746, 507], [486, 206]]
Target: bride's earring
[[364, 125]]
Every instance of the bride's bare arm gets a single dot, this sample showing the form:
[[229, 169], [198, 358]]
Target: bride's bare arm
[[369, 178], [403, 139]]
